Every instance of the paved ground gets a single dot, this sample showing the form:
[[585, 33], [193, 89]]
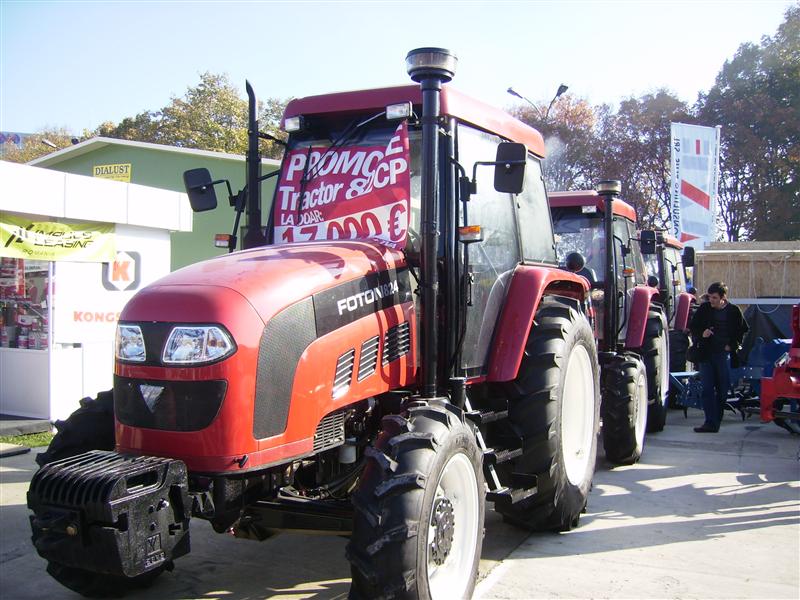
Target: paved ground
[[702, 516]]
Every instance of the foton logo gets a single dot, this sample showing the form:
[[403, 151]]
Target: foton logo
[[125, 273]]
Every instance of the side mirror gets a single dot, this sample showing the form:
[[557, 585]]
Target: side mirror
[[509, 173], [647, 240], [200, 189], [688, 256]]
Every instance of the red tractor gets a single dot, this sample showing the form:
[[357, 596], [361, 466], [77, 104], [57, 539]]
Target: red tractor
[[667, 260], [394, 347], [596, 237]]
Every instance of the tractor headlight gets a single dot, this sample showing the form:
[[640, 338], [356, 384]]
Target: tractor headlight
[[193, 345], [129, 343]]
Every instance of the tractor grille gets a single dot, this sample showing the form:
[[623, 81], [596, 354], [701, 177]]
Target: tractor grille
[[167, 405], [396, 343], [344, 373], [368, 359], [330, 432]]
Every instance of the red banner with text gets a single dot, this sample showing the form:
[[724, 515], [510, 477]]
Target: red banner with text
[[349, 192]]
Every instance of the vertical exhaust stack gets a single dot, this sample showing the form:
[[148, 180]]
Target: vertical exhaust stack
[[254, 235], [430, 67], [609, 189]]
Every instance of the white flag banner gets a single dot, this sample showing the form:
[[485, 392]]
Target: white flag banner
[[695, 173]]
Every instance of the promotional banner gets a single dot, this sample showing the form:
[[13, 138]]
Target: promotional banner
[[48, 240], [695, 173], [345, 193]]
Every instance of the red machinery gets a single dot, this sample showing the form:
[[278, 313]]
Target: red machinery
[[784, 385]]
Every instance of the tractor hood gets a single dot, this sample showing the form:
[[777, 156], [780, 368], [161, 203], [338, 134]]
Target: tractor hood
[[268, 279]]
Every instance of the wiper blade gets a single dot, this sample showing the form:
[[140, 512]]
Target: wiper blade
[[346, 135]]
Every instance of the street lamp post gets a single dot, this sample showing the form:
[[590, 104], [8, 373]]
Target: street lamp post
[[430, 67], [561, 89]]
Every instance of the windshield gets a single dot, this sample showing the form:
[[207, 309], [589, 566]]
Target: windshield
[[354, 179], [578, 232], [651, 263]]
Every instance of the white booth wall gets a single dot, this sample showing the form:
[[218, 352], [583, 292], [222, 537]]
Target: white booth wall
[[79, 360]]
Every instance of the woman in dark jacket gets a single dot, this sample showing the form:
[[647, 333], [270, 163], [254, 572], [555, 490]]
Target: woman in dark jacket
[[718, 328]]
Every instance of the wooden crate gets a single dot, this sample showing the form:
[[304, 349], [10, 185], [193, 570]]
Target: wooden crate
[[751, 270]]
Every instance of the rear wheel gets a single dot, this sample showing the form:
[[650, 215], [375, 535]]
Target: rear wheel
[[91, 427], [624, 408], [655, 353], [419, 509], [554, 407]]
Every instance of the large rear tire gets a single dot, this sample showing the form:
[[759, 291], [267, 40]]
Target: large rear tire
[[554, 407], [419, 509], [655, 353], [90, 427], [624, 408]]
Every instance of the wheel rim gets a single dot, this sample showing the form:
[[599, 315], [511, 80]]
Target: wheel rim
[[453, 530], [577, 415], [664, 370], [641, 408]]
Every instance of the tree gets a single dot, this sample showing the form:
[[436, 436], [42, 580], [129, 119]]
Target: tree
[[38, 144], [756, 100], [569, 137], [634, 147], [209, 116]]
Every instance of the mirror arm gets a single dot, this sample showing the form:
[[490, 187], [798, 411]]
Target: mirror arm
[[271, 138], [269, 175], [239, 202], [465, 186]]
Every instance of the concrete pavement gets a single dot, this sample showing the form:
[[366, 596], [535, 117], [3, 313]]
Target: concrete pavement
[[701, 516]]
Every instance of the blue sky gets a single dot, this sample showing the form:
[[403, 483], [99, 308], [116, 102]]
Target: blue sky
[[76, 64]]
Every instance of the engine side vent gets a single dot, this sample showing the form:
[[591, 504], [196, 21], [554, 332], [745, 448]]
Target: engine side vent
[[344, 373], [330, 432], [397, 343], [368, 359]]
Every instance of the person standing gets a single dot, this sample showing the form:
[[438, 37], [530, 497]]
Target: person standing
[[718, 328]]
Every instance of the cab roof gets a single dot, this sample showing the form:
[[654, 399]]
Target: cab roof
[[672, 242], [589, 198], [453, 103]]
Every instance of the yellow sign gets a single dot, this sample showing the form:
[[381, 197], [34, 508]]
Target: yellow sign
[[48, 240], [121, 172]]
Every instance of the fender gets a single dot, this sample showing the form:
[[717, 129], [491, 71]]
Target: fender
[[637, 319], [682, 311], [528, 285]]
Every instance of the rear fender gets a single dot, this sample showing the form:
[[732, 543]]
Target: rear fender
[[684, 303], [641, 300], [528, 285]]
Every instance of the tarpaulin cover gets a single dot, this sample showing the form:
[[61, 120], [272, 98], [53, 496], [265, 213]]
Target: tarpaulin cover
[[769, 322]]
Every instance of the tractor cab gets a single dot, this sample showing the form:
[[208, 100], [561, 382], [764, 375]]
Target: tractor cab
[[579, 226]]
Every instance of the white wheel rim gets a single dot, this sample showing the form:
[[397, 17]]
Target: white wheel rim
[[641, 408], [577, 415], [664, 369], [458, 484]]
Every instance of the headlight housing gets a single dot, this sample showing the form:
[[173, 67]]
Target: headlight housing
[[129, 343], [196, 345]]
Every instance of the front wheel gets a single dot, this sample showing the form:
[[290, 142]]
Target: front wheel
[[419, 509], [90, 427], [624, 408]]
